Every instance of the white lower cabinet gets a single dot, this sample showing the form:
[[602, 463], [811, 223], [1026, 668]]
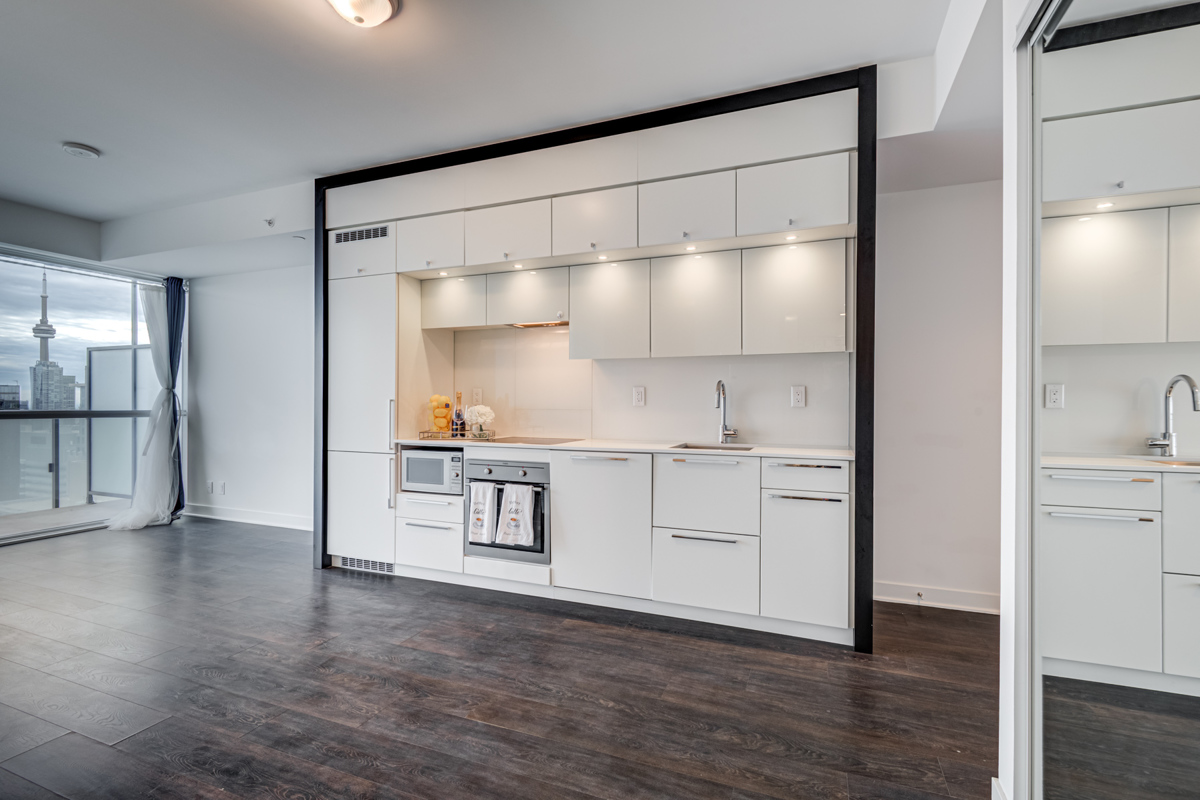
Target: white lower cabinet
[[707, 570], [359, 491], [707, 492], [1181, 523], [429, 544], [600, 522], [806, 557], [1100, 586], [1181, 622]]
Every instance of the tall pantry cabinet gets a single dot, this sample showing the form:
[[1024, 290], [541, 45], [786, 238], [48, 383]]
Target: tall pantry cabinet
[[361, 418]]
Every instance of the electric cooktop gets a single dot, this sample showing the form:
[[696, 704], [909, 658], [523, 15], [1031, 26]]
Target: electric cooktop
[[532, 440]]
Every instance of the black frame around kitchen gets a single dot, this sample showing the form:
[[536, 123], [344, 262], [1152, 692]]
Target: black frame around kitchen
[[863, 79]]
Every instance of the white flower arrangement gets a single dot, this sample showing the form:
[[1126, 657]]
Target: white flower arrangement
[[479, 415]]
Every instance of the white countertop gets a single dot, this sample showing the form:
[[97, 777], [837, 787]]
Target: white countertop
[[617, 445], [1125, 463]]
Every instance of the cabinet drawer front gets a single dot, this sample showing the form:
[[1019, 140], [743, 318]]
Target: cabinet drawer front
[[429, 242], [1097, 488], [1100, 586], [508, 233], [708, 570], [433, 507], [806, 474], [707, 493], [793, 195], [1181, 523], [1181, 621], [362, 251], [806, 557], [433, 545], [692, 209]]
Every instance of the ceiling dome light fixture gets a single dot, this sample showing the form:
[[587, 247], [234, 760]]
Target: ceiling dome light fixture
[[80, 150], [366, 13]]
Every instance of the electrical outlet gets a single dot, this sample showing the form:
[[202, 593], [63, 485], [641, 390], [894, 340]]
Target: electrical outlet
[[798, 397], [1056, 395], [639, 395], [210, 487], [476, 397], [221, 487]]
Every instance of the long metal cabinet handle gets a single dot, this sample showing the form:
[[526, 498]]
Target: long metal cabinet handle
[[703, 539], [805, 466], [598, 458], [426, 502], [1100, 478], [798, 497], [391, 423], [704, 461], [391, 483], [434, 527], [1112, 517]]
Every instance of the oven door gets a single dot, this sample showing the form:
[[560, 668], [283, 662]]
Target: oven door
[[538, 552], [427, 471]]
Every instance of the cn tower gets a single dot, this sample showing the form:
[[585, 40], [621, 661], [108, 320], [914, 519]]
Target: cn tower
[[44, 331]]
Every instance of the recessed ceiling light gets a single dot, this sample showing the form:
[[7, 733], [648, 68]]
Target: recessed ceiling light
[[443, 273], [791, 238], [792, 247], [365, 13], [1105, 205], [699, 256], [691, 247], [80, 150], [460, 280], [1084, 219], [532, 272], [603, 258], [516, 266]]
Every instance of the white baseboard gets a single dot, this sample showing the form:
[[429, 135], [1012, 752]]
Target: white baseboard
[[998, 790], [1120, 676], [251, 516], [958, 599]]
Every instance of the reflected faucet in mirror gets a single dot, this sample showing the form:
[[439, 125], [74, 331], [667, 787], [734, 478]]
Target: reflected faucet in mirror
[[1167, 444]]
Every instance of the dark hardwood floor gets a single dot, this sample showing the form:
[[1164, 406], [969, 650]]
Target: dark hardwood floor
[[209, 660]]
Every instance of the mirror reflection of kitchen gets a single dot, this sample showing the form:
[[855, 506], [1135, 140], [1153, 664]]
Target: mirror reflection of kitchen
[[1117, 530]]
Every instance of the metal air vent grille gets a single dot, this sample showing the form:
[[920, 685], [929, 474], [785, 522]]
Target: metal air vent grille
[[359, 235], [370, 566]]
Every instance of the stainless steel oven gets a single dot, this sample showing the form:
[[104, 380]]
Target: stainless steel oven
[[501, 473], [431, 469]]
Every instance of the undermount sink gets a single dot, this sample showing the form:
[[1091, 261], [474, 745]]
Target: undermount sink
[[699, 446], [1180, 463]]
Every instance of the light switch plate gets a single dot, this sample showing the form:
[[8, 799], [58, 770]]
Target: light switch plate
[[798, 397], [210, 487], [221, 487], [639, 396], [476, 397], [1056, 395]]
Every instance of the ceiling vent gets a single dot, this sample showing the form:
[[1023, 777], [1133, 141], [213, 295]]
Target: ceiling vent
[[359, 235], [369, 566]]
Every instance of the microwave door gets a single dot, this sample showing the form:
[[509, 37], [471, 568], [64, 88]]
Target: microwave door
[[424, 472]]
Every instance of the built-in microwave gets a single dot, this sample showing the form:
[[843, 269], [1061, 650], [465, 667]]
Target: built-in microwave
[[431, 469]]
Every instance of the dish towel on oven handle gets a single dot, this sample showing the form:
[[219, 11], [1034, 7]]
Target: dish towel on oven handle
[[482, 519], [516, 516]]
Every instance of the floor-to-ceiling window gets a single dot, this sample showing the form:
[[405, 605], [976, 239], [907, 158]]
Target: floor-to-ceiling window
[[76, 383]]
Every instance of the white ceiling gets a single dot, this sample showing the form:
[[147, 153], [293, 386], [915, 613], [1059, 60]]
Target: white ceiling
[[206, 98]]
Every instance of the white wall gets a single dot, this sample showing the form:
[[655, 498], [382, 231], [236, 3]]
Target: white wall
[[937, 435], [39, 229], [250, 398]]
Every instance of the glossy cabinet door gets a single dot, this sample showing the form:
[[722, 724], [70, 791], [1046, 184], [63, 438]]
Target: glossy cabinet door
[[523, 296], [687, 209], [793, 195], [508, 233], [600, 518], [610, 310], [1104, 278], [1181, 622], [361, 360], [594, 222], [365, 251], [794, 298], [1100, 586], [696, 305], [707, 492], [433, 242], [707, 570], [806, 557], [454, 302], [1181, 522], [359, 491], [575, 167], [1183, 302], [429, 544]]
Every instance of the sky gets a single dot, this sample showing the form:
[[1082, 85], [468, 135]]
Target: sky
[[86, 311]]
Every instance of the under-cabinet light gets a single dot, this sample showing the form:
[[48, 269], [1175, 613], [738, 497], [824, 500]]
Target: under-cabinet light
[[603, 258], [443, 273], [558, 323], [1105, 205], [691, 247], [365, 13], [791, 238], [516, 266], [1084, 219]]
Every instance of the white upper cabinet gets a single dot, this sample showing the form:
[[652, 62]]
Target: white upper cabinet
[[822, 124], [687, 209], [696, 305], [610, 161], [395, 198], [454, 302], [1147, 149], [522, 296], [361, 358], [593, 222], [808, 193], [1104, 278], [508, 233], [610, 310], [430, 242], [794, 298], [363, 251], [1183, 304]]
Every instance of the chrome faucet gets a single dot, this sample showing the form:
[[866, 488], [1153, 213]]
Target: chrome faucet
[[723, 404], [1168, 441]]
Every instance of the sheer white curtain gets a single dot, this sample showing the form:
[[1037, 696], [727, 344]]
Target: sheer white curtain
[[157, 485]]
